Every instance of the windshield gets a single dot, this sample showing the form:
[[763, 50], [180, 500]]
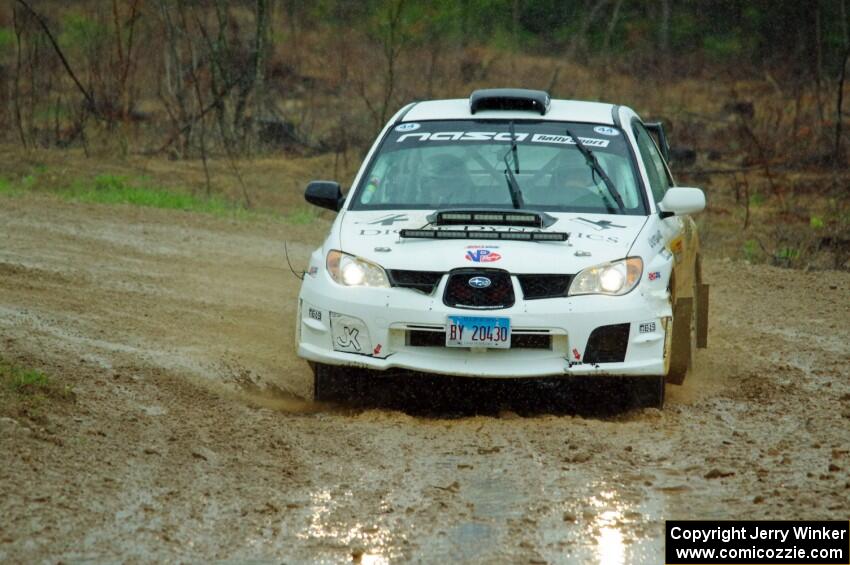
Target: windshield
[[461, 164]]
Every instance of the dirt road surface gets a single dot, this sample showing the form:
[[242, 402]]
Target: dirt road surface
[[188, 441]]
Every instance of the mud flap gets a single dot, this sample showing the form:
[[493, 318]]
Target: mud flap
[[702, 316], [680, 348]]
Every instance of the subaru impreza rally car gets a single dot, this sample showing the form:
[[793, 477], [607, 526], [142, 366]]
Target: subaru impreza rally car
[[508, 235]]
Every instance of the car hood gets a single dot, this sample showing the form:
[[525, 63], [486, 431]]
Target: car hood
[[593, 239]]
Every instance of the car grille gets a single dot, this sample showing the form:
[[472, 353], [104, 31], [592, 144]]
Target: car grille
[[423, 281], [459, 293], [534, 287], [420, 338], [544, 286]]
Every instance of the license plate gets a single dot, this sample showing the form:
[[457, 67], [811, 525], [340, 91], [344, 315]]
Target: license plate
[[472, 331]]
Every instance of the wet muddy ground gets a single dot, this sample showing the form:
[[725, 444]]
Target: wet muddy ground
[[188, 440]]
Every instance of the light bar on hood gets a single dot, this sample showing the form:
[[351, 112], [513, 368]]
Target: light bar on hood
[[491, 218], [476, 234]]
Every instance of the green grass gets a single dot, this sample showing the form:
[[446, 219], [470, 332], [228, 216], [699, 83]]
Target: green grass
[[29, 392], [7, 39], [751, 250], [302, 216], [7, 188], [24, 380], [142, 191], [112, 189], [786, 255], [757, 200]]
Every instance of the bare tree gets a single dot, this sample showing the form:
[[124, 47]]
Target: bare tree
[[41, 22], [837, 156], [577, 41], [393, 41], [262, 42], [126, 62], [16, 93], [196, 87], [612, 25], [664, 34], [393, 38]]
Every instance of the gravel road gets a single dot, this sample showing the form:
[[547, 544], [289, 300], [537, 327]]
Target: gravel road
[[188, 440]]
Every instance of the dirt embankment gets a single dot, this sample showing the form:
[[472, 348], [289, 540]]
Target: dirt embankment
[[187, 440]]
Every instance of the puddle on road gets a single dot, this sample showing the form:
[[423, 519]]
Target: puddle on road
[[604, 525], [362, 540], [612, 527], [496, 509]]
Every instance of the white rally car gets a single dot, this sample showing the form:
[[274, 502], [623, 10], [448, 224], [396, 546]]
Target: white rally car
[[507, 235]]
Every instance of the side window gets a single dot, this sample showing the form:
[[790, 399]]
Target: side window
[[659, 181]]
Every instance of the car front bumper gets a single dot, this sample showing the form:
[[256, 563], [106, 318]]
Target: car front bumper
[[373, 328]]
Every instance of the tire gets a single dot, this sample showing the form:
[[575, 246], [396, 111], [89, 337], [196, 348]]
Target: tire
[[331, 383]]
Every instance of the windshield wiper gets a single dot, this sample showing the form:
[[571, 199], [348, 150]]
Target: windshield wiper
[[514, 149], [513, 184], [594, 165]]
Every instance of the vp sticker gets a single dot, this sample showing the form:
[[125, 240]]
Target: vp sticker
[[410, 126], [605, 130], [482, 256]]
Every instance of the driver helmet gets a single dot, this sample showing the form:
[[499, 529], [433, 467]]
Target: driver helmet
[[572, 172]]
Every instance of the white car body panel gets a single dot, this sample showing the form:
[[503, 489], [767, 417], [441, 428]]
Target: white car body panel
[[591, 241], [331, 317]]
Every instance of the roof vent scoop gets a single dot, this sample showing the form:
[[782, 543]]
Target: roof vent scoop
[[509, 99]]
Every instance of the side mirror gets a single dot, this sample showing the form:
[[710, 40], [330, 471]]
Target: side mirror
[[325, 194], [680, 200]]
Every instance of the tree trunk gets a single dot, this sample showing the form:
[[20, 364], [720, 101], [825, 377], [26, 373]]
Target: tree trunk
[[393, 44], [818, 67], [41, 22], [612, 24], [578, 39], [19, 121], [664, 35], [261, 48], [838, 157]]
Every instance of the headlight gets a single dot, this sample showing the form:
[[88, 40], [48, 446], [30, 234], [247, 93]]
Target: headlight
[[349, 270], [615, 278]]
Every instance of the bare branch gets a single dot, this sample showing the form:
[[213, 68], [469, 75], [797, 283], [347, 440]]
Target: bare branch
[[61, 55]]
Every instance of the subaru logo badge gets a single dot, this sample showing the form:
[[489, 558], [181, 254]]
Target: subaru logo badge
[[479, 282]]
